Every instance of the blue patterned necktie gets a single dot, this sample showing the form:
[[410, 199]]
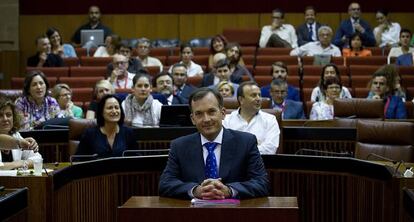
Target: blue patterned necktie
[[211, 162], [310, 32]]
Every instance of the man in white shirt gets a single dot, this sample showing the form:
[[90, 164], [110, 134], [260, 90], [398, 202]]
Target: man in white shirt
[[321, 47], [144, 48], [120, 77], [278, 34], [249, 118]]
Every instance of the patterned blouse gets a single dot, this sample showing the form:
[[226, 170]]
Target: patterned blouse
[[33, 114], [321, 111]]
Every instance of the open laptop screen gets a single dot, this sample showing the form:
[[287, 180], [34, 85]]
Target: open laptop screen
[[92, 35], [175, 115]]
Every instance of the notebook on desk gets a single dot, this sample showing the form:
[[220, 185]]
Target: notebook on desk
[[175, 115], [92, 35]]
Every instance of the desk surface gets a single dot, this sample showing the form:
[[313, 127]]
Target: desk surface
[[162, 202], [159, 209]]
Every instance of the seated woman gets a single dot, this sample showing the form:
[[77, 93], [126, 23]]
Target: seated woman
[[355, 47], [387, 32], [63, 95], [141, 109], [218, 45], [111, 43], [193, 69], [109, 138], [102, 88], [328, 71], [381, 87], [36, 106], [58, 48], [323, 110], [9, 124], [226, 89]]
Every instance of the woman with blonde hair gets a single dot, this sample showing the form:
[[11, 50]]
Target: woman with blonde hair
[[63, 95], [226, 89]]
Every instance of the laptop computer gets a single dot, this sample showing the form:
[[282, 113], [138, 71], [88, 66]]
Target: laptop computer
[[92, 35], [175, 115]]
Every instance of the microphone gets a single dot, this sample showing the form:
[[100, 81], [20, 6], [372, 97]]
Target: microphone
[[91, 156], [329, 153], [144, 152], [381, 158]]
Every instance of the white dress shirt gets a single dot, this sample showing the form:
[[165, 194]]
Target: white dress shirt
[[192, 70], [315, 48], [286, 32], [389, 36], [263, 125]]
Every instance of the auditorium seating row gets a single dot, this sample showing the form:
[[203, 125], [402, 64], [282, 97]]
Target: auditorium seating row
[[249, 60]]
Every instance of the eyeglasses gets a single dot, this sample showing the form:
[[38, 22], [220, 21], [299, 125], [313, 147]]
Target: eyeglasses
[[121, 63], [355, 9], [278, 91], [66, 95]]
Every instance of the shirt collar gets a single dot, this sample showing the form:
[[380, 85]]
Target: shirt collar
[[218, 139]]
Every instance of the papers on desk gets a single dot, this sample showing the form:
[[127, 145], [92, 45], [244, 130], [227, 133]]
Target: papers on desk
[[211, 203], [12, 173]]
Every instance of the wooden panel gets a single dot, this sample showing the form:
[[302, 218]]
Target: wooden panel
[[206, 25], [9, 67]]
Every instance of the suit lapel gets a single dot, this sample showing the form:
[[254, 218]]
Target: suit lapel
[[195, 157], [227, 151]]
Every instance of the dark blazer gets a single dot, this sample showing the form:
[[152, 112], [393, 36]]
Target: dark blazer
[[405, 60], [293, 110], [241, 166], [76, 38], [346, 29], [52, 60], [303, 33], [292, 92], [94, 141], [187, 90], [235, 77], [395, 108]]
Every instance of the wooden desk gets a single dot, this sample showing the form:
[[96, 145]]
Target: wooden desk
[[13, 205], [166, 209]]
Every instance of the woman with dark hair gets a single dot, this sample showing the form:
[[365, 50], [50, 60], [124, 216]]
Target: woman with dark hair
[[109, 138], [141, 109], [193, 69], [36, 106], [328, 71], [58, 48], [355, 47], [9, 125], [218, 44], [386, 33], [323, 110]]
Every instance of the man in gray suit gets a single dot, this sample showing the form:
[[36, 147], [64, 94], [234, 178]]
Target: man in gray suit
[[308, 31], [215, 163]]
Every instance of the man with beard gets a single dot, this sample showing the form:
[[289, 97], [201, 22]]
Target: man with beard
[[44, 57], [163, 84], [234, 53], [94, 23], [249, 118], [179, 74], [280, 71], [307, 32]]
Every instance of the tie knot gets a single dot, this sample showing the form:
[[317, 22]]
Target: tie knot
[[210, 146]]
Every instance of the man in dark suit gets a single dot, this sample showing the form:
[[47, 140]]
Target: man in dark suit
[[179, 74], [290, 109], [44, 57], [308, 31], [163, 84], [352, 25], [215, 163]]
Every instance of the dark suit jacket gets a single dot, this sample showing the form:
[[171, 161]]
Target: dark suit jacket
[[241, 166], [187, 90], [235, 77], [346, 29], [303, 33], [293, 110], [52, 60], [405, 60], [292, 92]]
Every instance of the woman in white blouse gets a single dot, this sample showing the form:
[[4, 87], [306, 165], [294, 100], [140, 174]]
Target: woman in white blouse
[[328, 71], [386, 33], [323, 110]]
